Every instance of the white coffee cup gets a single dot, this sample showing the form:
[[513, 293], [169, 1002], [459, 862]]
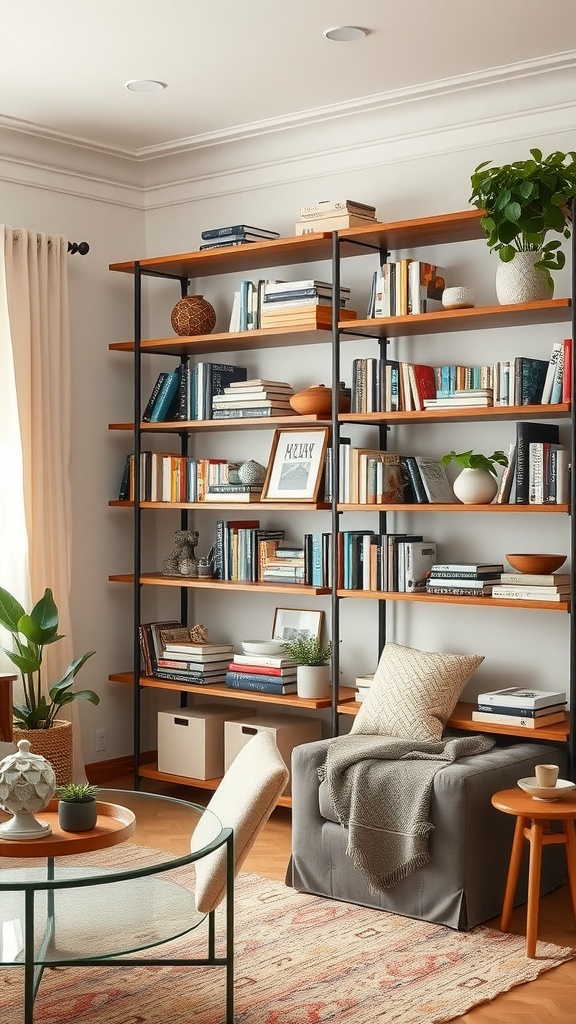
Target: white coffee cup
[[546, 775]]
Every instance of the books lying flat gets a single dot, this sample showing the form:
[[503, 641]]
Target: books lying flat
[[335, 207], [335, 223], [239, 229], [528, 579], [259, 382], [516, 695], [456, 402], [468, 567], [248, 411], [525, 723], [470, 584], [530, 594], [199, 650], [501, 709], [305, 316]]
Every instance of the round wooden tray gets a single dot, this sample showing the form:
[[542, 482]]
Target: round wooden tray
[[114, 825]]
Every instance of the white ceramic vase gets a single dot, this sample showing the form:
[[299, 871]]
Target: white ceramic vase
[[520, 281], [475, 487], [313, 681]]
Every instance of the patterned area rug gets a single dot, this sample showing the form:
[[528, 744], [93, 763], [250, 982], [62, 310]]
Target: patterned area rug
[[299, 960]]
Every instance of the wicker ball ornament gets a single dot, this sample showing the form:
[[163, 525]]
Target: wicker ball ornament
[[193, 315]]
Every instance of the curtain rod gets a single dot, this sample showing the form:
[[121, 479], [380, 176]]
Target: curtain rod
[[78, 247]]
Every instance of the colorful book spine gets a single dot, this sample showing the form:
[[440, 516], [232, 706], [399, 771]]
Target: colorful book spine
[[261, 684]]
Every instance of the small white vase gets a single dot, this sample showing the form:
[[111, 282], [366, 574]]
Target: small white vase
[[475, 487], [520, 281], [313, 681]]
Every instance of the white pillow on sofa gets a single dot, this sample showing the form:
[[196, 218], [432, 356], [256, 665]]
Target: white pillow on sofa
[[414, 692]]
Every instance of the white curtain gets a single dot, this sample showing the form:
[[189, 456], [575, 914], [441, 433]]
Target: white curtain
[[35, 430]]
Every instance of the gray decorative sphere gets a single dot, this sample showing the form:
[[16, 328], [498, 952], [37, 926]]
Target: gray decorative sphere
[[252, 473]]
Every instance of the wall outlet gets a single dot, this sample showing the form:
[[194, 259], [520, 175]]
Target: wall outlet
[[100, 739]]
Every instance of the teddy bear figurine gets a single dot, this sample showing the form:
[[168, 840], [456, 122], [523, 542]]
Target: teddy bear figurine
[[182, 561]]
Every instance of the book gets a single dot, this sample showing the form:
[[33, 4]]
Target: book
[[207, 671], [531, 594], [239, 229], [259, 382], [507, 479], [330, 207], [286, 673], [528, 432], [164, 397], [336, 223], [426, 284], [503, 709], [264, 660], [249, 411], [435, 480], [422, 383], [153, 397], [567, 373], [529, 379], [419, 558], [529, 579], [244, 497], [223, 242], [476, 568], [189, 678], [470, 584], [461, 591], [550, 373], [218, 376], [260, 683], [513, 695], [198, 650], [520, 720]]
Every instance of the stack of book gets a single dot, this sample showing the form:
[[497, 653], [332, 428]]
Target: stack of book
[[362, 685], [464, 579], [525, 586], [169, 653], [253, 398], [235, 234], [466, 398], [279, 563], [290, 303], [333, 215], [263, 673], [530, 709]]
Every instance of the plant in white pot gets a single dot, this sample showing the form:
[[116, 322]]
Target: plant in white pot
[[77, 808], [523, 203], [477, 483], [312, 658], [36, 718]]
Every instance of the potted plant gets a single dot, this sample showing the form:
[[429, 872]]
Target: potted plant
[[77, 808], [477, 484], [523, 203], [312, 659], [36, 718]]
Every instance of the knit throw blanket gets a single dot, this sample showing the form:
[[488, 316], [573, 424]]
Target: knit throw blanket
[[381, 787]]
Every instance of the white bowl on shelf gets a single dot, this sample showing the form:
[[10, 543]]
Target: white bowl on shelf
[[562, 788], [272, 648]]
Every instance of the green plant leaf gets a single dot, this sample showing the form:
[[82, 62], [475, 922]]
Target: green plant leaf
[[11, 611]]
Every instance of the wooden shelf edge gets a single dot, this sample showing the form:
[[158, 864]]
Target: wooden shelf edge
[[221, 690], [150, 771], [486, 602], [455, 507], [157, 580], [491, 412], [246, 423]]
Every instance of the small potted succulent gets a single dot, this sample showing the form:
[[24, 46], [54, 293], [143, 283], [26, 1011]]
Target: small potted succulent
[[312, 658], [522, 204], [477, 484], [77, 807]]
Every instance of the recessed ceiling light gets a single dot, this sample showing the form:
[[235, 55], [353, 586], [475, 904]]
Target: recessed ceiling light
[[144, 85], [345, 33]]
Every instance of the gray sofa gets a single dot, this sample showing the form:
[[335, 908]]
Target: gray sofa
[[463, 883]]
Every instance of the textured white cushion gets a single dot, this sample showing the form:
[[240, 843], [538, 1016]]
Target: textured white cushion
[[414, 692], [244, 801]]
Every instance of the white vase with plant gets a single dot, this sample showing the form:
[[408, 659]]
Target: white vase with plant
[[477, 483], [36, 718], [523, 203], [312, 659]]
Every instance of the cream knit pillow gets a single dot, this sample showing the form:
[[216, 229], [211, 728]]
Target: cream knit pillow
[[414, 693]]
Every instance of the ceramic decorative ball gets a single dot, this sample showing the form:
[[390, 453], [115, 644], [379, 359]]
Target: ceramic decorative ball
[[193, 315], [27, 785], [252, 473]]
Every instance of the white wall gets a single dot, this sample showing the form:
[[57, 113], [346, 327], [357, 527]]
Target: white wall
[[410, 162]]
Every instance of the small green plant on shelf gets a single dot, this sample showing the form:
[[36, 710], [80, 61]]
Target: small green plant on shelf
[[471, 460], [306, 649], [523, 202], [77, 792]]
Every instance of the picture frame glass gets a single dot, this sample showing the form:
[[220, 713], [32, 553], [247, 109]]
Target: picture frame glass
[[296, 464], [292, 622]]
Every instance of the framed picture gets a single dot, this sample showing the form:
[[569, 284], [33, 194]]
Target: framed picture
[[296, 464], [292, 622]]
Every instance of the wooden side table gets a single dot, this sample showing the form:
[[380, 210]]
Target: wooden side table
[[533, 818]]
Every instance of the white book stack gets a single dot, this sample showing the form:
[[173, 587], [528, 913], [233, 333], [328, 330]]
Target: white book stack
[[363, 684]]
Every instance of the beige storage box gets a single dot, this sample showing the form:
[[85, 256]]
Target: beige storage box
[[288, 731], [191, 741]]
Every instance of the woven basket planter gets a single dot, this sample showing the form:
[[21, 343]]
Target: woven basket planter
[[55, 744]]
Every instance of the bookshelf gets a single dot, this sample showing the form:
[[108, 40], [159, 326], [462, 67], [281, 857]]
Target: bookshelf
[[336, 247]]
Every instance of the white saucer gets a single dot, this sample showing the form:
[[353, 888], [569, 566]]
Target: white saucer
[[562, 788]]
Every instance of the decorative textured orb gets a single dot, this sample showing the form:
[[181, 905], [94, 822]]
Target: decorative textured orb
[[193, 315], [27, 785], [252, 473]]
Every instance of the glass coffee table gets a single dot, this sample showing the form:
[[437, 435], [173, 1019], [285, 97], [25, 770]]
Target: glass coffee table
[[93, 898]]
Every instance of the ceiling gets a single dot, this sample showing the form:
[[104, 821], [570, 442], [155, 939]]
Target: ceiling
[[231, 63]]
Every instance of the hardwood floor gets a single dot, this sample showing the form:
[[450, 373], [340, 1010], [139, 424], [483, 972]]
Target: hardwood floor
[[547, 1000]]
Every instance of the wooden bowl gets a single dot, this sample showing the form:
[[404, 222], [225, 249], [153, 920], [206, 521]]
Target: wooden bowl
[[317, 401], [536, 563]]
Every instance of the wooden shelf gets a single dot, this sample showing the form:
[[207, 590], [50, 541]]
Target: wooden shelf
[[150, 771], [245, 423], [289, 700], [455, 507], [447, 321], [156, 579], [461, 718], [486, 602], [437, 230], [239, 506], [464, 414], [238, 341]]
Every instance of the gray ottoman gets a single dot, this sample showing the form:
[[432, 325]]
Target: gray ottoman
[[463, 884]]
